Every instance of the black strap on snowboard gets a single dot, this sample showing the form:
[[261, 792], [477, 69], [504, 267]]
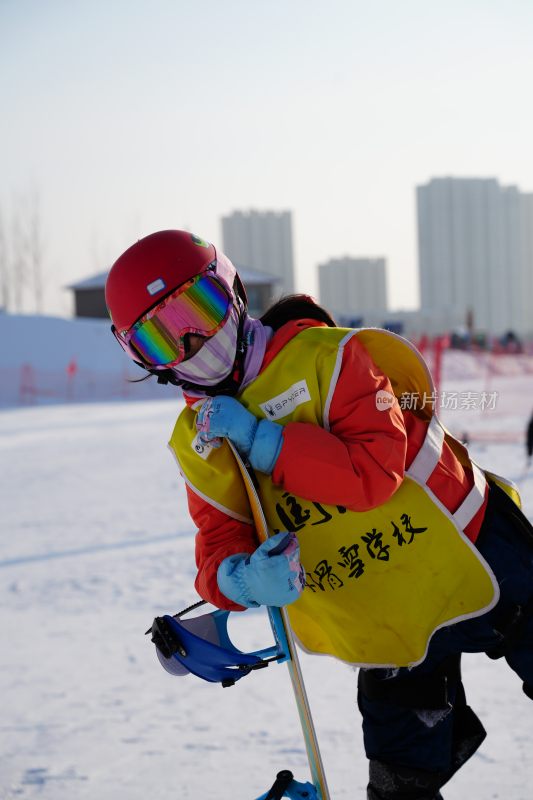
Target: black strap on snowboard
[[283, 779]]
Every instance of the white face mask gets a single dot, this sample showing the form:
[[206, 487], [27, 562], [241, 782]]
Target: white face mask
[[214, 360]]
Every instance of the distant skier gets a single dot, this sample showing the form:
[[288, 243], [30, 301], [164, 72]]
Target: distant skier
[[529, 441], [412, 554]]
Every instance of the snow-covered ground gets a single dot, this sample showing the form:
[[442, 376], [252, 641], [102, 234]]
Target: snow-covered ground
[[96, 541]]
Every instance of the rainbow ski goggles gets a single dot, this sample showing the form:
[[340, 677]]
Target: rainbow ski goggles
[[200, 306]]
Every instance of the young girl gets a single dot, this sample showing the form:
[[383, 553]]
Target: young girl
[[404, 553]]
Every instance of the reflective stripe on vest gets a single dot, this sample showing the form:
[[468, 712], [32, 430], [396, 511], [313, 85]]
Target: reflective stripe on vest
[[473, 501], [430, 452]]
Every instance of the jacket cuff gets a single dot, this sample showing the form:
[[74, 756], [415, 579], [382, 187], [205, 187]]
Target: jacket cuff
[[266, 446]]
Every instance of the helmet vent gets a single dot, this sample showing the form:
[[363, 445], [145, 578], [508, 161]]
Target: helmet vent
[[156, 286]]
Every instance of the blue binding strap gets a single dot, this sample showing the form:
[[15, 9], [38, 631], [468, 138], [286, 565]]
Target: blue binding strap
[[201, 645]]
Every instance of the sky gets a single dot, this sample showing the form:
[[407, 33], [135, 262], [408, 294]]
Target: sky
[[123, 117]]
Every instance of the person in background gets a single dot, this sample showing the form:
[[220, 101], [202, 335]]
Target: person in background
[[404, 553], [529, 441]]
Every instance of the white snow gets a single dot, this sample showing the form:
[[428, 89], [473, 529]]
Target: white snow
[[96, 540]]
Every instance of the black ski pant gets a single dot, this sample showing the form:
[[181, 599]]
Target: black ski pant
[[418, 729]]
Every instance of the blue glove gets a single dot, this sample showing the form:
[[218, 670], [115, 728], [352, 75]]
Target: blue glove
[[258, 440], [271, 576]]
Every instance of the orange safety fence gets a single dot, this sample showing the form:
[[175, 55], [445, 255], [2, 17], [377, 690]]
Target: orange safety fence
[[510, 375], [30, 385]]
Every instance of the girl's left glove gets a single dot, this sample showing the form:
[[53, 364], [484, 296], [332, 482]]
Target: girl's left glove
[[257, 440], [271, 576]]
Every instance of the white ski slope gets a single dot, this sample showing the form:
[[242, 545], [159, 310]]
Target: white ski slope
[[95, 542]]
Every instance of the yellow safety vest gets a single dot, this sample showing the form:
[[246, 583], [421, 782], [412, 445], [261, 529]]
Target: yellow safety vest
[[379, 583]]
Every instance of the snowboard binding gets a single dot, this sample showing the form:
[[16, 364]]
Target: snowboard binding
[[201, 646]]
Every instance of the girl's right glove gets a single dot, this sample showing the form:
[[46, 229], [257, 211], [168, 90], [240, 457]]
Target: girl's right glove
[[258, 440], [271, 576]]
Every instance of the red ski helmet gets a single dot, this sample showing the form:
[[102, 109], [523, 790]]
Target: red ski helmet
[[154, 267]]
